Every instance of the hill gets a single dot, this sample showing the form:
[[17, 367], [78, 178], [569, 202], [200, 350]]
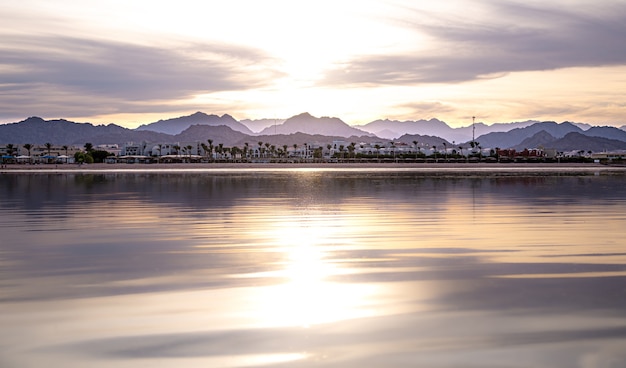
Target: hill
[[302, 138], [298, 130], [516, 136], [36, 130], [577, 141], [391, 129], [178, 125], [202, 133], [258, 125], [424, 140], [541, 139], [573, 141], [606, 132], [306, 123]]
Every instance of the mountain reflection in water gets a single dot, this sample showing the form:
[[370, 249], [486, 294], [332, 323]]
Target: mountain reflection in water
[[312, 268]]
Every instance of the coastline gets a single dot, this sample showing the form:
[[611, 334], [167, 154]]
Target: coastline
[[459, 168]]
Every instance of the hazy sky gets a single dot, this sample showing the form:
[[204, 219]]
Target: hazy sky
[[133, 62]]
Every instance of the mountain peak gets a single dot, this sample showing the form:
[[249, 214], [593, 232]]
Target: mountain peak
[[303, 115], [309, 124], [34, 119], [178, 125]]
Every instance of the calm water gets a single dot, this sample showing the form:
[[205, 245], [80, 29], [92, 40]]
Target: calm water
[[312, 269]]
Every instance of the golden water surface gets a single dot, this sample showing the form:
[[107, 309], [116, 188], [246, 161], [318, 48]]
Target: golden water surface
[[312, 269]]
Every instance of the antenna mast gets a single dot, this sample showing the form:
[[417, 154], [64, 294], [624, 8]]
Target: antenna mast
[[473, 129]]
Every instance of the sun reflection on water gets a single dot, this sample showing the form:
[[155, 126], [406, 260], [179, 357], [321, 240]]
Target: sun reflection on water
[[307, 296]]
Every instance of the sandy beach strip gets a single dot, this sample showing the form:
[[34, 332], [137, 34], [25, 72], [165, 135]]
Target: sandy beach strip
[[434, 168]]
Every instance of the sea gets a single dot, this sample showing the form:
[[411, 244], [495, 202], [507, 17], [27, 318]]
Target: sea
[[313, 268]]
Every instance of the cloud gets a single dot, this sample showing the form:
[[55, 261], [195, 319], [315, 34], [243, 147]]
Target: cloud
[[426, 108], [92, 75], [514, 37]]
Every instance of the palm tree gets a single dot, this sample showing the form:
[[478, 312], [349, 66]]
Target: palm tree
[[234, 151], [318, 153], [210, 142], [28, 147], [475, 144], [88, 147], [377, 146], [10, 148], [260, 147], [189, 147], [285, 150], [160, 148], [445, 150], [176, 148], [267, 147], [220, 148], [49, 148]]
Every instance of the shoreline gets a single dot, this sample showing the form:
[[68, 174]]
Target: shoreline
[[469, 168]]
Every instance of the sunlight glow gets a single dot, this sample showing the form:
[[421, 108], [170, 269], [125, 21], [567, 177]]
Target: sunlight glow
[[307, 297], [281, 58]]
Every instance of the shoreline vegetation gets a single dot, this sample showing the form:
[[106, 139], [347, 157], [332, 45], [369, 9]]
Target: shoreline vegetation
[[459, 168]]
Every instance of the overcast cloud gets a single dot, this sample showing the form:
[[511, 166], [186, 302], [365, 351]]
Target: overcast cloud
[[132, 62], [43, 71], [518, 37]]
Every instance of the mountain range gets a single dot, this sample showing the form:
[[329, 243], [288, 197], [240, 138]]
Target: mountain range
[[305, 128], [178, 125]]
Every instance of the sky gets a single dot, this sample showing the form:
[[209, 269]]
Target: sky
[[135, 62]]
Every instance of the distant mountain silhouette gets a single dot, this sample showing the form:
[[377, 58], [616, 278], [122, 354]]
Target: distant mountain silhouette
[[301, 138], [577, 141], [177, 125], [516, 136], [202, 133], [258, 125], [541, 139], [570, 142], [606, 132], [36, 130], [228, 137], [391, 129], [305, 128], [306, 123], [424, 140]]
